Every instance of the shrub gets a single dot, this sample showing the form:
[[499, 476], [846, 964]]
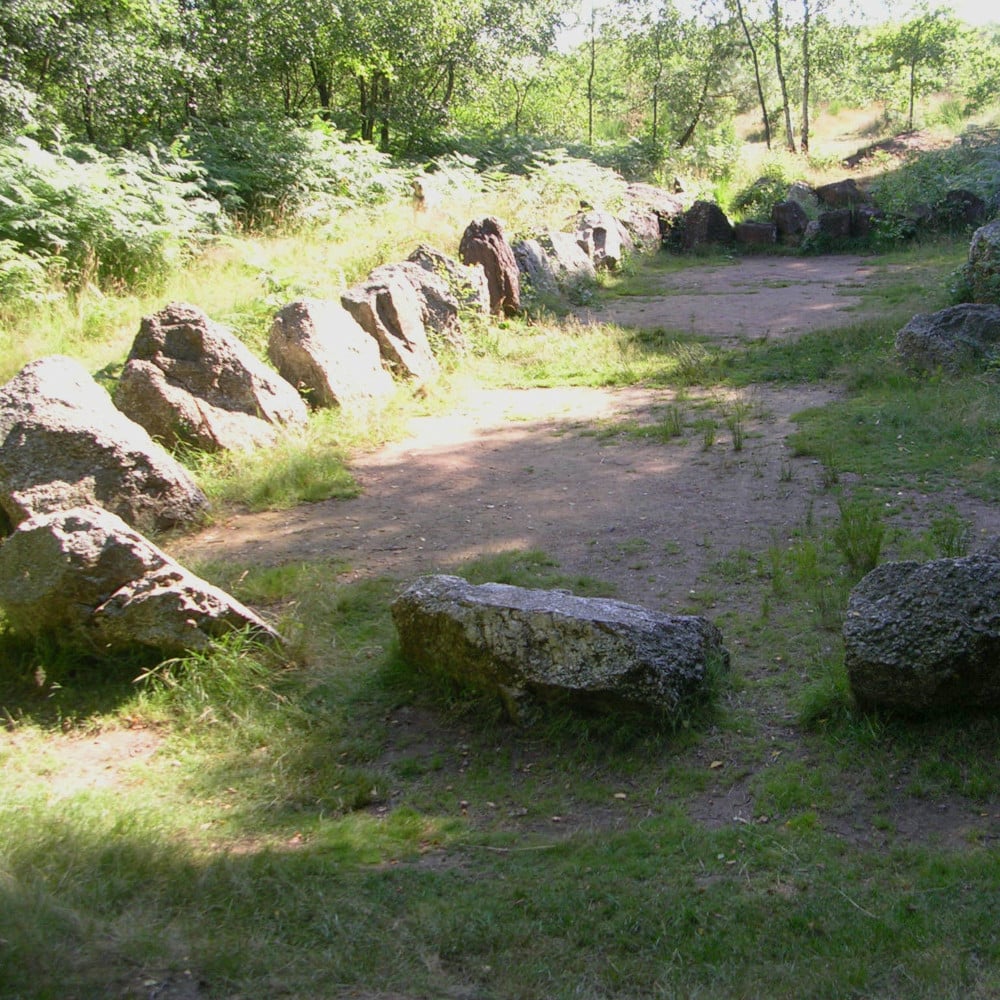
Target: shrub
[[123, 221], [267, 173]]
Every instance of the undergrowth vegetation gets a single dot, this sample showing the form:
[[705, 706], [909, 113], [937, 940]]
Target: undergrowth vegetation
[[326, 823]]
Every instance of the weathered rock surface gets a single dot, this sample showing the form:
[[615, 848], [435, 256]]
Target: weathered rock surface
[[662, 203], [756, 234], [84, 578], [705, 223], [843, 194], [318, 347], [925, 637], [549, 644], [440, 308], [386, 305], [63, 443], [468, 284], [955, 339], [485, 244], [211, 390], [603, 239], [960, 209], [982, 272], [790, 220], [554, 263]]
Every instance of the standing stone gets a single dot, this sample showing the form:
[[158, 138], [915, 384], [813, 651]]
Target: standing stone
[[190, 380], [484, 243], [525, 644], [790, 220], [467, 284], [705, 223], [387, 307], [63, 443], [756, 234], [603, 238], [955, 339], [982, 272], [319, 348]]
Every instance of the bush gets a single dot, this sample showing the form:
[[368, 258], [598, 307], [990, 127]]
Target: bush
[[121, 221], [267, 173]]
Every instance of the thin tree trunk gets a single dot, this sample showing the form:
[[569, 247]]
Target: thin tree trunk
[[786, 107], [756, 71], [590, 77], [804, 144]]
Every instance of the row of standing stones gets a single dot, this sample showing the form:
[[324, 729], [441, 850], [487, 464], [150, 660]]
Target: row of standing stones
[[82, 474]]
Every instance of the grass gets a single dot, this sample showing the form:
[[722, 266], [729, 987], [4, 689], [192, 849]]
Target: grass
[[330, 824]]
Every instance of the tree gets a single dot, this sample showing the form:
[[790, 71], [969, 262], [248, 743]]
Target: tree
[[922, 47]]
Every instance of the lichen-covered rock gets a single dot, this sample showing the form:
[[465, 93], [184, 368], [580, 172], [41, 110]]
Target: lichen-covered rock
[[63, 443], [603, 239], [319, 348], [536, 644], [84, 579], [955, 339], [212, 391], [925, 637], [982, 272], [554, 264]]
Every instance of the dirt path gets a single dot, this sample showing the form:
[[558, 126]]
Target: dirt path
[[545, 469]]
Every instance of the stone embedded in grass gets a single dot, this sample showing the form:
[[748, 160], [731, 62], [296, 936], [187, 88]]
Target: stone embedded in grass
[[84, 580], [485, 244], [955, 339], [63, 443], [543, 645], [924, 638]]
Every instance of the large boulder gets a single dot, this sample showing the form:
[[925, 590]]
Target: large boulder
[[190, 381], [842, 194], [85, 579], [485, 244], [955, 339], [603, 239], [440, 307], [537, 644], [925, 637], [318, 347], [704, 224], [467, 284], [982, 272], [386, 305], [554, 263], [63, 443], [756, 234], [790, 220]]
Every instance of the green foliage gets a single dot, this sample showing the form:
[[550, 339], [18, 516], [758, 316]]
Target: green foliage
[[123, 221], [922, 182], [756, 200], [266, 172]]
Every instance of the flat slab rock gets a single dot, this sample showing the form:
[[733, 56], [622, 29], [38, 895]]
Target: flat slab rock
[[541, 644]]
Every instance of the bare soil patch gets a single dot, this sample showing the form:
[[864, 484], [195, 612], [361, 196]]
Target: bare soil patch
[[557, 470]]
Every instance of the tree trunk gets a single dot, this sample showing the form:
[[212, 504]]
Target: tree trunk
[[696, 117], [786, 107], [913, 87], [756, 71], [590, 77], [804, 143], [367, 115]]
